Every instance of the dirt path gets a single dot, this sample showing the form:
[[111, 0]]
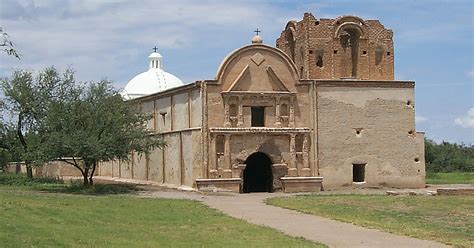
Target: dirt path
[[252, 208]]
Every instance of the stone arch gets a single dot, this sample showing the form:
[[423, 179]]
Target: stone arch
[[258, 175]]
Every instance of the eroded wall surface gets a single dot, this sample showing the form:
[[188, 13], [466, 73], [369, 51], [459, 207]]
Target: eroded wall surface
[[372, 124], [177, 117]]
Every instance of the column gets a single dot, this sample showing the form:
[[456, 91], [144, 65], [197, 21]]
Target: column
[[292, 112], [306, 170], [212, 157], [277, 112], [240, 120], [227, 173], [226, 112], [292, 170]]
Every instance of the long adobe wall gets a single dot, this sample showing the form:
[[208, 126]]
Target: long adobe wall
[[177, 115]]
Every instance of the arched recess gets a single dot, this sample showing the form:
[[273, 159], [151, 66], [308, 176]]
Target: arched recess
[[349, 34], [257, 175]]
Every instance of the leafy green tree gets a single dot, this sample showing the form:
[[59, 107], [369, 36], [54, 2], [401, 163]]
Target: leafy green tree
[[96, 125], [448, 157], [28, 99]]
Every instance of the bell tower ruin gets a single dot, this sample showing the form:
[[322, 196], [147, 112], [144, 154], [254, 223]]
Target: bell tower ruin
[[343, 48]]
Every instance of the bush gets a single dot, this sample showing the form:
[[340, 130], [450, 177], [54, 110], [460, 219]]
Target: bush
[[448, 157], [77, 187], [9, 179]]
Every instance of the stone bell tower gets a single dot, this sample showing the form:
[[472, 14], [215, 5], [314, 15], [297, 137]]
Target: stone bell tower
[[343, 48]]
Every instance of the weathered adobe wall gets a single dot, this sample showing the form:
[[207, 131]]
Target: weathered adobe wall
[[369, 125], [316, 47], [177, 116]]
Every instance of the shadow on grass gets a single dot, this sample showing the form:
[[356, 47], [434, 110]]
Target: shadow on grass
[[98, 189], [55, 185]]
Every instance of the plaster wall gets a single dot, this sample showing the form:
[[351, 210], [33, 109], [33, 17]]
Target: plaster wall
[[180, 111], [140, 168], [372, 126]]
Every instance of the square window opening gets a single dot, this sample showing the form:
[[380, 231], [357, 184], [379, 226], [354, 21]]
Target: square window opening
[[258, 116], [358, 173]]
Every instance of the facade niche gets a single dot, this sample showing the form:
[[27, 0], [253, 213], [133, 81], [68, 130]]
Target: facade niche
[[220, 144], [379, 51], [319, 58], [349, 40]]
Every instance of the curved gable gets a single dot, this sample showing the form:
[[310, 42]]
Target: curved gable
[[256, 68]]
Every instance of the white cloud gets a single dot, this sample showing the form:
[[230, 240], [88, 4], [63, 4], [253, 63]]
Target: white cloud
[[466, 121], [470, 73], [419, 119]]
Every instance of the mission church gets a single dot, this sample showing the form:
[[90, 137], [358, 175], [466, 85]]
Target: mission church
[[320, 110]]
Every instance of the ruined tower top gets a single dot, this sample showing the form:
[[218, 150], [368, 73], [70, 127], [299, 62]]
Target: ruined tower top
[[347, 47]]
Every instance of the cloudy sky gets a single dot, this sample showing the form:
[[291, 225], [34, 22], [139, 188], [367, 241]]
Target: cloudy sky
[[112, 39]]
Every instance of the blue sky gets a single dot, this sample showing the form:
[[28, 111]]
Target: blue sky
[[112, 39]]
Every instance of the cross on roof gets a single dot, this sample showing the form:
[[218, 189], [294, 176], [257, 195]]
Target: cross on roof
[[257, 31], [155, 48]]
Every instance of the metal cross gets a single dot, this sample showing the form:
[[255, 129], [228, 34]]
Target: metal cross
[[155, 48], [257, 31]]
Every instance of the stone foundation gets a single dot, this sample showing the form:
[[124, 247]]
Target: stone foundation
[[220, 184], [301, 184]]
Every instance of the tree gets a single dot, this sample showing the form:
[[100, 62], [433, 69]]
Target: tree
[[28, 99], [7, 45], [448, 157], [94, 125]]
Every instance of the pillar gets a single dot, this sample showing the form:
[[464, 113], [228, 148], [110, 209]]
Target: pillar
[[292, 170], [227, 173], [226, 112], [292, 112], [306, 170], [277, 112], [240, 120], [212, 157]]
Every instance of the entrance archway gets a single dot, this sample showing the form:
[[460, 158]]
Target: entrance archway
[[258, 175]]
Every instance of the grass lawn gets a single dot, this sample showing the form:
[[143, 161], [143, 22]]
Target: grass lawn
[[450, 178], [447, 219], [32, 219]]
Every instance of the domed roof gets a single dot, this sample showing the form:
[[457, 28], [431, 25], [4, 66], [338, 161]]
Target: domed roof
[[152, 81]]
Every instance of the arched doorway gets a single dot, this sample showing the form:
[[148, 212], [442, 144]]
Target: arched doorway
[[258, 175]]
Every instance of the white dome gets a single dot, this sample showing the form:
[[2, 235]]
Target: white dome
[[152, 81]]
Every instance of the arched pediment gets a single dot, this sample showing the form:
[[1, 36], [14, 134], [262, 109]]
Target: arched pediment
[[257, 67]]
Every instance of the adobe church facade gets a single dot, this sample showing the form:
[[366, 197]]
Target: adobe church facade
[[321, 110]]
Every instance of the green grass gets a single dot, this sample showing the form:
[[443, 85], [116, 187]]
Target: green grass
[[450, 178], [32, 219], [52, 185], [447, 219]]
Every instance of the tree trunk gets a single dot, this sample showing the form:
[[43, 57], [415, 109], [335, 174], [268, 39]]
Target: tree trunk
[[21, 137], [29, 170], [85, 174], [94, 165]]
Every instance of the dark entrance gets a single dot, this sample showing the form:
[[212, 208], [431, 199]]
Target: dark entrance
[[258, 175]]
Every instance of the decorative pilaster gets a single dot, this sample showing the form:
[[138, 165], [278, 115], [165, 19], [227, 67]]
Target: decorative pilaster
[[240, 119], [306, 170], [213, 158], [226, 112], [227, 173], [277, 112], [292, 112], [292, 170]]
